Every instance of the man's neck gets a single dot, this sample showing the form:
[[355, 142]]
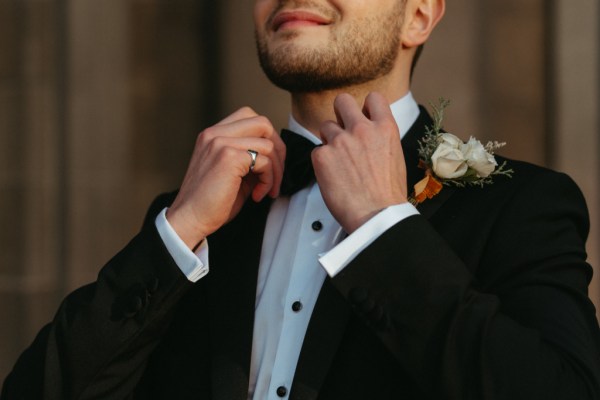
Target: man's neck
[[312, 109], [405, 112]]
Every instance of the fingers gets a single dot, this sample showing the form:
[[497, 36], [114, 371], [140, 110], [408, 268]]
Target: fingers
[[347, 110], [329, 130], [256, 126], [265, 174], [242, 113], [268, 155], [280, 151], [377, 108], [245, 123], [218, 180], [361, 168], [348, 113]]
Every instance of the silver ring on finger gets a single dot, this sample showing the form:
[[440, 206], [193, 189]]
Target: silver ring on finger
[[253, 155]]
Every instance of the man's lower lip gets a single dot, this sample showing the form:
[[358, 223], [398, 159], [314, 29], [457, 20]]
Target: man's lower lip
[[296, 24]]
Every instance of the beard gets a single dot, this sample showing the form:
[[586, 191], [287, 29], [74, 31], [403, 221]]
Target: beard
[[363, 52]]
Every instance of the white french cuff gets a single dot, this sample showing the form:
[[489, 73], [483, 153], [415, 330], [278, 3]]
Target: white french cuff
[[194, 265], [341, 255]]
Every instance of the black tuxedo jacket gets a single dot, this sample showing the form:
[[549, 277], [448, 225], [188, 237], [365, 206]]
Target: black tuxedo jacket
[[482, 296]]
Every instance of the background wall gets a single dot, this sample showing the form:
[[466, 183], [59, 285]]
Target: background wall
[[101, 101]]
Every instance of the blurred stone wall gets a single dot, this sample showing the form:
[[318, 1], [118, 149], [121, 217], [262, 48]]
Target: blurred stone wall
[[31, 165], [101, 101]]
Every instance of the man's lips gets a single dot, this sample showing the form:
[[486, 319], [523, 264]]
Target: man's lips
[[289, 19]]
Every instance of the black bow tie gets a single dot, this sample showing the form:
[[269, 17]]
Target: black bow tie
[[298, 170]]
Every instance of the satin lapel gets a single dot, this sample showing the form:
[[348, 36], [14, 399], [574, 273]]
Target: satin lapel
[[234, 257], [410, 147], [431, 206]]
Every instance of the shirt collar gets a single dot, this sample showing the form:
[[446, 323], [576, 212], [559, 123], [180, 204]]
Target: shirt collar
[[405, 112]]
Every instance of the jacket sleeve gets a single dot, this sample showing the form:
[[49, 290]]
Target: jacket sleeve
[[99, 342], [508, 319]]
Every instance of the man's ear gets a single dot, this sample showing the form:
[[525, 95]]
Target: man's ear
[[421, 16]]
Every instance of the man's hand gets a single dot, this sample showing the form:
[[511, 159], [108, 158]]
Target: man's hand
[[360, 168], [218, 181]]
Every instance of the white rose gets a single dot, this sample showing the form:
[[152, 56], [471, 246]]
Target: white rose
[[448, 160], [478, 158], [452, 141]]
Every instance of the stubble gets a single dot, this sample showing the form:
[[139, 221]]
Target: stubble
[[354, 55]]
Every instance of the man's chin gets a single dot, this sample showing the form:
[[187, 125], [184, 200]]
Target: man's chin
[[306, 81], [297, 41]]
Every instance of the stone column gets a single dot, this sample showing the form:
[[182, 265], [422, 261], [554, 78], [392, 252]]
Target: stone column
[[100, 104], [30, 171], [98, 152]]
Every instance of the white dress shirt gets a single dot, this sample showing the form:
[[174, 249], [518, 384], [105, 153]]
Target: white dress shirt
[[302, 245]]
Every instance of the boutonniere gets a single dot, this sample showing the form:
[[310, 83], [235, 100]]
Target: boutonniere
[[447, 160]]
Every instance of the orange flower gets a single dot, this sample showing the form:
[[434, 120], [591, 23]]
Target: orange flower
[[426, 188]]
